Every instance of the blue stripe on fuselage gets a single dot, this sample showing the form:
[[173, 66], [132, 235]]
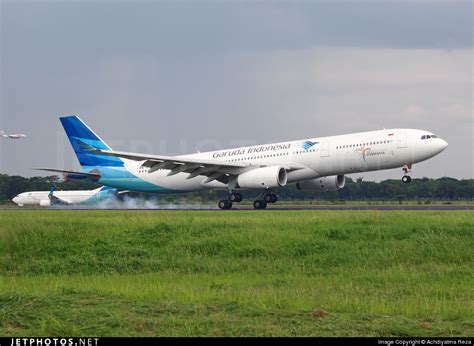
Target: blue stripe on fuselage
[[121, 178], [104, 193]]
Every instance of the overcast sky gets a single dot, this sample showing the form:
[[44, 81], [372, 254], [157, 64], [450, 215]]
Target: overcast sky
[[174, 77]]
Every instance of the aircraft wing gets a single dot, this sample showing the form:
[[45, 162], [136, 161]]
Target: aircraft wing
[[57, 200], [214, 169]]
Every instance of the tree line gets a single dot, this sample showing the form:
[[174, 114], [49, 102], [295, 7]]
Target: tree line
[[425, 188]]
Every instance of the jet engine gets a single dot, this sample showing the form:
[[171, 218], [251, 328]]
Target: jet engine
[[265, 177], [322, 184]]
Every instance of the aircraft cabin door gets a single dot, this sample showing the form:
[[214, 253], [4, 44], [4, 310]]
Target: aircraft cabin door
[[402, 140], [325, 149]]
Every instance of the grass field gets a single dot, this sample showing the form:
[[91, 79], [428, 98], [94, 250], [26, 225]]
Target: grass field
[[279, 273]]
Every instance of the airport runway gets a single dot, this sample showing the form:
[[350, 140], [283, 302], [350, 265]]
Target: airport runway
[[236, 207], [363, 207]]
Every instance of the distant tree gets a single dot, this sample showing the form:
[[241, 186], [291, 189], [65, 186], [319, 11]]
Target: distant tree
[[425, 188]]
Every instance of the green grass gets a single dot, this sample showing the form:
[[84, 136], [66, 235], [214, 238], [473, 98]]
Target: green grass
[[186, 273]]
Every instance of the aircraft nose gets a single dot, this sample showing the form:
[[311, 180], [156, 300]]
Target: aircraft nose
[[442, 144], [16, 199]]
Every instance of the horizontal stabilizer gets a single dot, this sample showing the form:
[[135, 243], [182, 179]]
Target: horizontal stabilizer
[[72, 174]]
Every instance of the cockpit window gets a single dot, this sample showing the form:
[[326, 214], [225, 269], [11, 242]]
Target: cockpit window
[[428, 136]]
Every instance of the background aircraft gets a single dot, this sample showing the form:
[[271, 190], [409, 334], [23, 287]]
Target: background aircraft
[[12, 136], [52, 197], [315, 164]]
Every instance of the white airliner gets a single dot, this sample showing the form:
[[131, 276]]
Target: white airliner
[[12, 136], [48, 198], [314, 164]]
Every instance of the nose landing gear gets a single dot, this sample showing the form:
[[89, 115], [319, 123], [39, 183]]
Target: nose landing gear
[[406, 169]]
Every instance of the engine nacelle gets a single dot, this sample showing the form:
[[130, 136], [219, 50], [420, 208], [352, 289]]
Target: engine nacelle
[[273, 176], [323, 184], [45, 203]]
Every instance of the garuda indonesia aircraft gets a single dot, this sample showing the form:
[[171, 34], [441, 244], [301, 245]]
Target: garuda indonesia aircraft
[[315, 164], [52, 197]]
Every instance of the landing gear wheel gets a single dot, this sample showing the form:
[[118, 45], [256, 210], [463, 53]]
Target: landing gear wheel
[[238, 197], [274, 198], [406, 179], [268, 198], [259, 204], [235, 197], [225, 204]]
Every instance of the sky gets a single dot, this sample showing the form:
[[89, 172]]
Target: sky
[[177, 77]]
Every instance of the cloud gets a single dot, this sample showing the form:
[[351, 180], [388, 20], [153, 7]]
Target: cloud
[[379, 87], [414, 111], [174, 78]]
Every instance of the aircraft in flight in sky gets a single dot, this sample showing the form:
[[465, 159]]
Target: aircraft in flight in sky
[[315, 164], [12, 136]]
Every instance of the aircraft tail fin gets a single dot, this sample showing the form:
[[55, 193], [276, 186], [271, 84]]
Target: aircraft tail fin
[[85, 143]]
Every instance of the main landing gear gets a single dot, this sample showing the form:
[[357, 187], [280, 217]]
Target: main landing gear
[[406, 169], [227, 203], [236, 197], [265, 199]]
